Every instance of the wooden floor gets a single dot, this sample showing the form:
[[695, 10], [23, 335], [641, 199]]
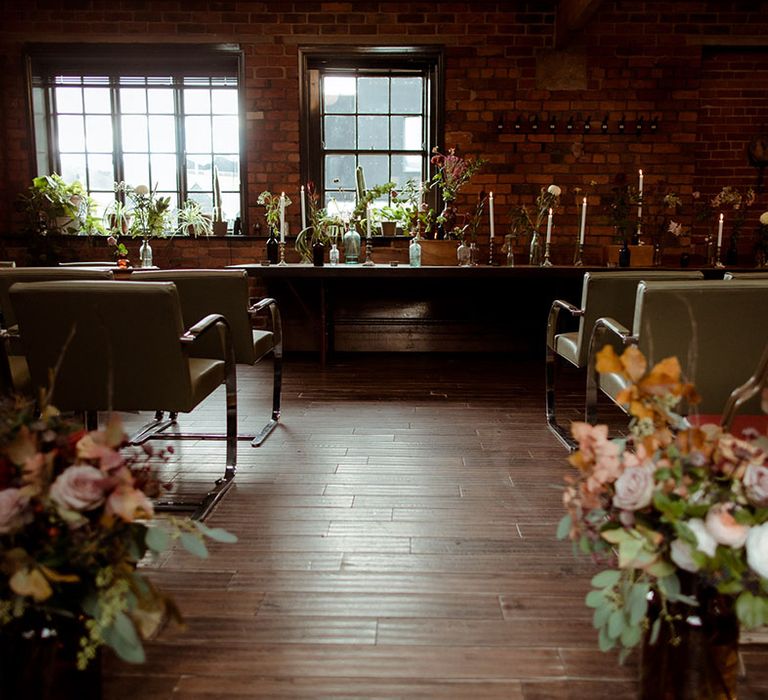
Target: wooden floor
[[396, 541]]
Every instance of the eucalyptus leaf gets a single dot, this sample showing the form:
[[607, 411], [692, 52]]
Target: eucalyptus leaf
[[606, 579], [749, 610], [628, 551], [564, 527], [601, 615], [670, 586], [157, 539], [122, 637], [216, 533], [638, 602], [616, 624], [193, 544], [604, 642], [595, 599], [631, 635], [655, 629]]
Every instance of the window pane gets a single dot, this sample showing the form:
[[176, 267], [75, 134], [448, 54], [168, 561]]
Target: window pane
[[103, 200], [373, 95], [73, 167], [160, 101], [230, 204], [98, 130], [373, 132], [162, 134], [71, 134], [134, 133], [340, 203], [376, 169], [199, 173], [340, 132], [163, 171], [407, 95], [224, 101], [229, 171], [197, 101], [339, 95], [406, 133], [69, 99], [339, 172], [406, 168], [204, 199], [198, 134], [136, 169], [100, 171], [133, 100], [97, 100], [226, 136]]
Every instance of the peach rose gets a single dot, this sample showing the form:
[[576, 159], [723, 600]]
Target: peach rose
[[756, 484], [129, 503], [80, 487], [634, 488], [12, 510], [724, 528]]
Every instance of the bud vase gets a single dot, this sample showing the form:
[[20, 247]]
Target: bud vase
[[272, 248], [414, 253], [145, 254], [535, 256], [318, 254], [351, 247], [464, 255]]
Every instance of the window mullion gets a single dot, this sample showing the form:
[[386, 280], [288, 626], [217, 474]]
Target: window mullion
[[181, 142], [118, 167]]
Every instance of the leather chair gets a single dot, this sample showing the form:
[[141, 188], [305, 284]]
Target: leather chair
[[745, 275], [717, 329], [603, 294], [86, 263], [120, 346], [225, 292], [14, 373]]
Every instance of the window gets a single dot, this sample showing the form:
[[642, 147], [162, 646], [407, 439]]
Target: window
[[376, 108], [145, 115]]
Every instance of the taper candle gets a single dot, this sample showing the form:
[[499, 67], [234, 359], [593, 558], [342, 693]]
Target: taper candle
[[368, 212], [640, 197], [303, 209], [720, 232], [282, 217], [583, 220], [490, 213], [549, 226]]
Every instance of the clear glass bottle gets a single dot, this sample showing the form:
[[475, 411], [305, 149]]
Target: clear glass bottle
[[333, 255], [145, 254], [535, 255], [414, 252], [464, 255], [474, 254], [351, 247]]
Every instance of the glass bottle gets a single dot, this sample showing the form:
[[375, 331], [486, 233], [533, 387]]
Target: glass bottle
[[318, 253], [474, 254], [333, 254], [145, 254], [351, 247], [625, 254], [414, 252], [535, 254], [463, 254], [273, 248]]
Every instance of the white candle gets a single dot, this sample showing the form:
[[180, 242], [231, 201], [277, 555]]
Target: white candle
[[720, 232], [583, 220], [640, 197], [490, 212], [549, 226], [368, 212], [282, 217], [303, 210]]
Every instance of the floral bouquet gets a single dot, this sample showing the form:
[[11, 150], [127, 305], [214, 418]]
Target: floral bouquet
[[75, 520], [271, 204], [677, 513], [149, 214], [452, 172]]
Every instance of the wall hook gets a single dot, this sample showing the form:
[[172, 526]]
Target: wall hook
[[604, 125]]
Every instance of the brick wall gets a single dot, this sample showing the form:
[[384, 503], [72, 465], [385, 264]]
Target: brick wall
[[640, 59]]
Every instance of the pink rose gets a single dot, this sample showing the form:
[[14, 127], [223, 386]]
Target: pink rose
[[12, 510], [634, 488], [724, 528], [756, 484], [129, 503], [80, 487]]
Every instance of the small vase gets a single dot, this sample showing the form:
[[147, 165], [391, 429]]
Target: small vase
[[318, 254], [272, 248], [625, 254], [122, 261], [696, 656], [535, 256], [447, 219], [474, 254], [333, 255], [414, 253], [464, 255], [145, 254], [351, 247]]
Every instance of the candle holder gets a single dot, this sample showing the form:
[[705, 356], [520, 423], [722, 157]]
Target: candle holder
[[490, 251], [546, 262], [577, 261], [369, 253], [718, 264], [282, 254]]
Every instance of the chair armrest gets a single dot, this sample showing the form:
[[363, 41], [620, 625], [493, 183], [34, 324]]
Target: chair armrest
[[202, 327], [270, 304], [553, 320]]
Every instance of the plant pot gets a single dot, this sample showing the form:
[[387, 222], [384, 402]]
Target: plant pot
[[438, 252], [388, 228], [219, 228], [640, 255]]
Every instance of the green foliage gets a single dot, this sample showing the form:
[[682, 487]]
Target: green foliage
[[53, 205], [192, 221]]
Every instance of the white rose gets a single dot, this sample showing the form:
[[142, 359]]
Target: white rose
[[756, 484], [634, 488], [724, 528], [80, 487], [141, 189], [764, 218], [704, 541], [757, 550], [554, 189], [12, 505], [680, 552]]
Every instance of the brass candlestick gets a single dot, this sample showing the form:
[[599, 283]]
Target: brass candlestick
[[546, 262], [577, 261], [718, 264], [490, 251], [282, 254], [369, 253]]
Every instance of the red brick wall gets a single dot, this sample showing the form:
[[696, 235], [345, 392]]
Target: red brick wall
[[643, 58]]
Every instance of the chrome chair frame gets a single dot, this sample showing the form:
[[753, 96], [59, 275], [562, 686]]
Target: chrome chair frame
[[745, 392]]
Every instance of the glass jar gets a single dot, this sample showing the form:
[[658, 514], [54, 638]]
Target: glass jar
[[333, 255], [414, 252], [145, 254], [351, 247]]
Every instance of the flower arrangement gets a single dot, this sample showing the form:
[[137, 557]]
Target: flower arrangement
[[148, 214], [667, 504], [452, 172], [761, 244], [75, 520], [731, 198], [271, 204], [322, 225], [620, 207]]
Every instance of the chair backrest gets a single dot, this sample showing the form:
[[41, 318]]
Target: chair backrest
[[613, 294], [85, 263], [7, 263], [116, 344], [11, 275], [204, 292], [730, 275], [717, 329]]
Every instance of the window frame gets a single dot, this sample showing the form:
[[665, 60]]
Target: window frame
[[429, 60], [45, 61]]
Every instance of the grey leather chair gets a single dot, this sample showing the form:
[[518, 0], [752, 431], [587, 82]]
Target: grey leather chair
[[120, 346], [603, 294], [717, 329], [225, 292], [14, 373]]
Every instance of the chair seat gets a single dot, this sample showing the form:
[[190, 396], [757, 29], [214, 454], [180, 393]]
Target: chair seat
[[263, 343], [567, 346], [612, 383]]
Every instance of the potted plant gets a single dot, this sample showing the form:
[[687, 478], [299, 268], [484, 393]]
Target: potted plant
[[452, 172], [56, 206], [192, 221], [323, 229]]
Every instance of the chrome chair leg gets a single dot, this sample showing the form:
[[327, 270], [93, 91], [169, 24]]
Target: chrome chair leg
[[550, 376]]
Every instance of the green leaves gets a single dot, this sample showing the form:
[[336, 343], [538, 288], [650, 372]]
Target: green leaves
[[216, 533], [194, 544], [751, 610], [564, 527], [122, 637], [606, 579], [157, 539]]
